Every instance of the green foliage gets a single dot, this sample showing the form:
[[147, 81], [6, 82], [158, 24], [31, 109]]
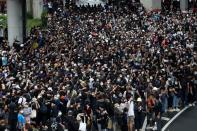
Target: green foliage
[[33, 23], [3, 20]]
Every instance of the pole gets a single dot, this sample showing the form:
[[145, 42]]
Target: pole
[[15, 21], [24, 8]]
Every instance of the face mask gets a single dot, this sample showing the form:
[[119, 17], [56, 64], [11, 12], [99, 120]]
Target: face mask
[[63, 88], [58, 95], [114, 96], [120, 95]]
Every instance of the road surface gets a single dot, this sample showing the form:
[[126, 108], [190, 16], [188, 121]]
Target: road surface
[[187, 121]]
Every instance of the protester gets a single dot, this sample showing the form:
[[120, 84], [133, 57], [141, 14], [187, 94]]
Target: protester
[[107, 63]]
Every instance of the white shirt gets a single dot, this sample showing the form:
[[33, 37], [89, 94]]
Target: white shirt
[[131, 108], [22, 100]]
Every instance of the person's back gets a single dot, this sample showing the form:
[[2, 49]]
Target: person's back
[[130, 114], [21, 121], [72, 126], [131, 109], [12, 107], [12, 117], [124, 126]]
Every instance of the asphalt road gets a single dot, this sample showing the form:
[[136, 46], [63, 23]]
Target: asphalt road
[[187, 121]]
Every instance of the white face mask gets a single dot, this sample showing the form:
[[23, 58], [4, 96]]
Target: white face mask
[[58, 95], [20, 78], [59, 113]]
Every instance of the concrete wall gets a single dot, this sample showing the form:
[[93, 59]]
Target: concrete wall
[[156, 4], [147, 4], [184, 5], [28, 5], [37, 8], [151, 4], [15, 21]]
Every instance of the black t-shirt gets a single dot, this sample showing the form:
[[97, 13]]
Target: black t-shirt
[[71, 123], [12, 111], [12, 107], [158, 108]]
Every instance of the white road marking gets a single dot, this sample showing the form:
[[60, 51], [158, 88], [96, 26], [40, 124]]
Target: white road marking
[[177, 115], [165, 118]]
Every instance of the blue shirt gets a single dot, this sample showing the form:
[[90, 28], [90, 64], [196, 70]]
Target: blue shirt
[[21, 121]]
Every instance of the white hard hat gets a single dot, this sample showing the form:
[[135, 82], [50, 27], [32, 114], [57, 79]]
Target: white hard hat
[[139, 99]]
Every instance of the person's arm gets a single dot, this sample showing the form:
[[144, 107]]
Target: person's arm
[[188, 87], [37, 105], [130, 100], [158, 115], [99, 119]]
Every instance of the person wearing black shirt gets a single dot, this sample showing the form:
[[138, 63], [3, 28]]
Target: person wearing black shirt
[[158, 113], [12, 118], [138, 114], [71, 122], [190, 93]]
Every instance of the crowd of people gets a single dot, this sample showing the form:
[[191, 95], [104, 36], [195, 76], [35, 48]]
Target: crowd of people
[[99, 68]]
